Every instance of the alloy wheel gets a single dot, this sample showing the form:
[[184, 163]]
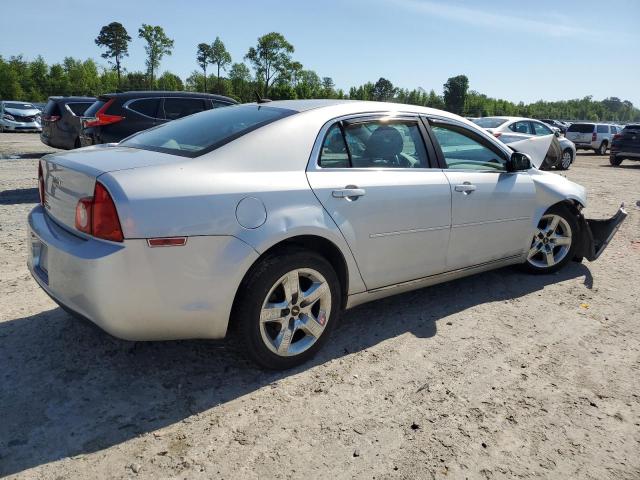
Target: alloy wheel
[[566, 160], [295, 312], [551, 242]]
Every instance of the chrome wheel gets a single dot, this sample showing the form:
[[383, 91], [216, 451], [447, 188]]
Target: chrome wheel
[[603, 148], [295, 312], [566, 160], [551, 242]]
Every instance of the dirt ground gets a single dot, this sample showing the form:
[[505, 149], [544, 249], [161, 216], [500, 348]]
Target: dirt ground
[[501, 375]]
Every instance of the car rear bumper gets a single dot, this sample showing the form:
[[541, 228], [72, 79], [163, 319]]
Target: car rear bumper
[[596, 234], [626, 154], [136, 292]]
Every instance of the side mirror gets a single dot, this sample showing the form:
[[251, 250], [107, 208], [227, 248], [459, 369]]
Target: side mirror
[[518, 162]]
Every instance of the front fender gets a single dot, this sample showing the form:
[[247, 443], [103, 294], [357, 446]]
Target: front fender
[[595, 235]]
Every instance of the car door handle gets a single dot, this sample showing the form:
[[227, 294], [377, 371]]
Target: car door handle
[[465, 188], [350, 193]]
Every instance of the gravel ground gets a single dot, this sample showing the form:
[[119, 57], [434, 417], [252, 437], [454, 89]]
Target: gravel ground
[[501, 375]]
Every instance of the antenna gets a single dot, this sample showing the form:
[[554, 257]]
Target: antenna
[[259, 99]]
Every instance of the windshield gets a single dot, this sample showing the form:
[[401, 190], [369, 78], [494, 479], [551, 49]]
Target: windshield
[[581, 128], [489, 122], [203, 132], [19, 106]]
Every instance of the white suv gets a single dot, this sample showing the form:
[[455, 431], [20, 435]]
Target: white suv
[[591, 136]]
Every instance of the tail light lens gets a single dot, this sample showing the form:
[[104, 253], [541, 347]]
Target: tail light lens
[[594, 136], [103, 118], [41, 183], [97, 215], [617, 135]]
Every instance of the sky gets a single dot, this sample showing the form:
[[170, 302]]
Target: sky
[[516, 50]]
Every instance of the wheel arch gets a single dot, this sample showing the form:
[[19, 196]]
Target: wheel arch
[[318, 244]]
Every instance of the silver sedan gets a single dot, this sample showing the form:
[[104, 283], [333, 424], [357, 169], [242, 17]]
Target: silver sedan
[[278, 216]]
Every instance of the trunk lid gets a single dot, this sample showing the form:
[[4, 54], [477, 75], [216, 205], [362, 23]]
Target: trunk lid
[[70, 176]]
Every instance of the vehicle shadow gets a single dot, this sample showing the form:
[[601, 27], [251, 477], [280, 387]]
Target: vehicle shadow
[[19, 195], [631, 166], [69, 389]]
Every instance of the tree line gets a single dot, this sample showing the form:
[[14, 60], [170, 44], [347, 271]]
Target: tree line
[[267, 69]]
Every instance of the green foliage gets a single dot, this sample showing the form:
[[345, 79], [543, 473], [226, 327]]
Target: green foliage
[[203, 57], [455, 93], [158, 45], [275, 74], [271, 58], [115, 39], [220, 57]]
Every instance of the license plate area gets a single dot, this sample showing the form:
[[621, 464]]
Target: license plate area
[[40, 257]]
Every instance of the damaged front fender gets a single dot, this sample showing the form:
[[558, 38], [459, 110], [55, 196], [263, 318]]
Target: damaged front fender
[[595, 235]]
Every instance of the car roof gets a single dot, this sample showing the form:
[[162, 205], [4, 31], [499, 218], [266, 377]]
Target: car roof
[[167, 93], [72, 99], [335, 108]]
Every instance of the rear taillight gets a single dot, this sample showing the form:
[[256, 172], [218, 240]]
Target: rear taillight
[[617, 135], [594, 136], [41, 183], [97, 215], [51, 118], [103, 118]]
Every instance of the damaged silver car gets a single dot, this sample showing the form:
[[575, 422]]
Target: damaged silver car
[[19, 117], [277, 216]]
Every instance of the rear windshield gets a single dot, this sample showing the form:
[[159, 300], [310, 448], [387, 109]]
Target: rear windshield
[[93, 109], [489, 122], [581, 128], [78, 108], [51, 108], [203, 132], [19, 106], [631, 127]]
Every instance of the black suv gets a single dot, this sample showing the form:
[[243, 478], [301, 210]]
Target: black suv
[[61, 121], [115, 116], [625, 145]]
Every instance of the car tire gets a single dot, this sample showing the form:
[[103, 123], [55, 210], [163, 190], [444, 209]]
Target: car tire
[[566, 160], [554, 241], [615, 161], [296, 329], [602, 149]]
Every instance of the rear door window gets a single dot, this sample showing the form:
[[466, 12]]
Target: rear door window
[[521, 127], [145, 106], [175, 108]]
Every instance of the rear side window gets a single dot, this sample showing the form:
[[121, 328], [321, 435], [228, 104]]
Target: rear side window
[[374, 144], [175, 108], [51, 109], [581, 128], [603, 129], [217, 104], [145, 106], [78, 108], [198, 134]]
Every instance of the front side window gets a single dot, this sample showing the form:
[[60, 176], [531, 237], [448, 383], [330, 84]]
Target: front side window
[[521, 127], [374, 144], [461, 150], [541, 129], [175, 108]]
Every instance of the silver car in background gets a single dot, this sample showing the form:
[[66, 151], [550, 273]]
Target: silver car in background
[[562, 151], [277, 216], [19, 117]]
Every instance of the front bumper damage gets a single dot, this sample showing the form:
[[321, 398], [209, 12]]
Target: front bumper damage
[[595, 235]]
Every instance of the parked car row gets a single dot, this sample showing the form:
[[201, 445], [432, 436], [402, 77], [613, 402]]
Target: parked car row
[[592, 136], [561, 152]]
